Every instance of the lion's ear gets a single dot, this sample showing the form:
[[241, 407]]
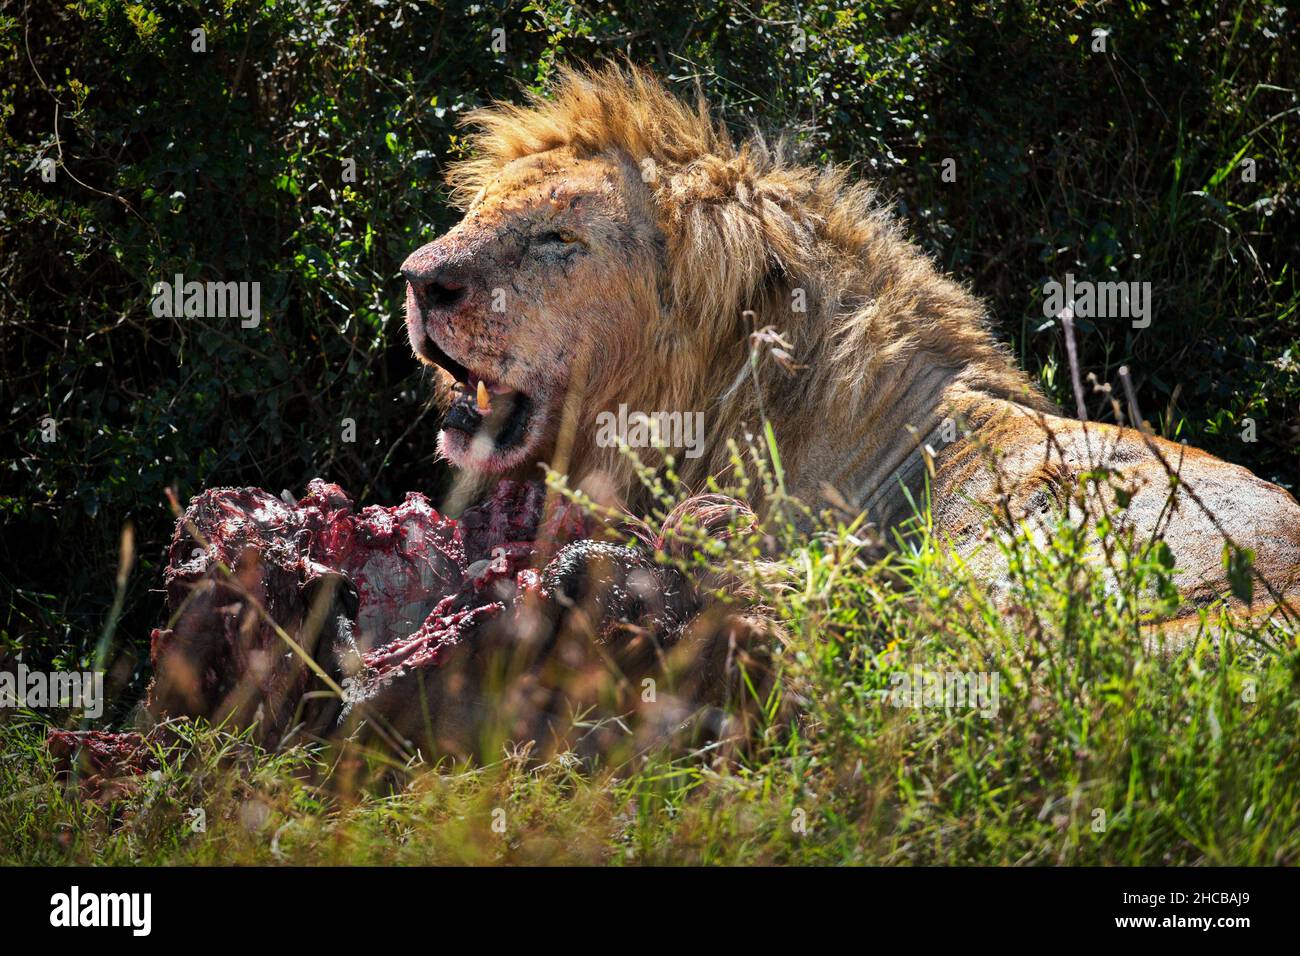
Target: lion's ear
[[733, 230]]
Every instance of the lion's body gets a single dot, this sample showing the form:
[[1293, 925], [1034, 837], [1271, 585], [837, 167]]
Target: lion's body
[[619, 250], [1033, 467]]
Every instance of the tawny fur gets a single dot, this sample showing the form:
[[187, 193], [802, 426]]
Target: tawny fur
[[691, 243]]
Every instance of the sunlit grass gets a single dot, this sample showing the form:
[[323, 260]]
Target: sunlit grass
[[1108, 745]]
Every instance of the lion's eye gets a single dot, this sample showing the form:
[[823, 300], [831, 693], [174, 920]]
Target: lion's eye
[[557, 236]]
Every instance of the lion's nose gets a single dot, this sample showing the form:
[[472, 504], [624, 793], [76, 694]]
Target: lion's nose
[[435, 286], [437, 293]]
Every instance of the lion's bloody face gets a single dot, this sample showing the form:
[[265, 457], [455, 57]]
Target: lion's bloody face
[[549, 279]]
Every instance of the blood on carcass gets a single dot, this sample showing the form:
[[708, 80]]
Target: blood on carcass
[[377, 589], [309, 617]]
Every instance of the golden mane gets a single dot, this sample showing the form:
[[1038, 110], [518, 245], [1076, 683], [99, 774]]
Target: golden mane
[[748, 227], [892, 350]]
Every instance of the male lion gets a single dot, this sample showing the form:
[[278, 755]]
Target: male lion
[[618, 249]]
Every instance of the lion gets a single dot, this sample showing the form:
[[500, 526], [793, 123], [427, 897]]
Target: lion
[[619, 250]]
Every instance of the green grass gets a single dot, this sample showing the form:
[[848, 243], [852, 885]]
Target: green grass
[[1108, 746], [1118, 166]]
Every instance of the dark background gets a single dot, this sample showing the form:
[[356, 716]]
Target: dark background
[[227, 165]]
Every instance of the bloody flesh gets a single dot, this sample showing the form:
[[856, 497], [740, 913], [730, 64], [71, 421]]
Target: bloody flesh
[[366, 594], [314, 618]]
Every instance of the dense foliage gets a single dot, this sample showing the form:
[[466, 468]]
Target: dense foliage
[[228, 164], [1170, 158]]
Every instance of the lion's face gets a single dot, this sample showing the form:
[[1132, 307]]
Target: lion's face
[[553, 266]]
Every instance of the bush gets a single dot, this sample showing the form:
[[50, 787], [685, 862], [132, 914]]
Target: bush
[[230, 163]]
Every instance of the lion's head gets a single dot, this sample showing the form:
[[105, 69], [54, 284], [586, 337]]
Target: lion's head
[[555, 256], [619, 250]]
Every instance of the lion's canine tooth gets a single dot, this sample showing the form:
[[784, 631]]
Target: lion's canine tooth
[[481, 400]]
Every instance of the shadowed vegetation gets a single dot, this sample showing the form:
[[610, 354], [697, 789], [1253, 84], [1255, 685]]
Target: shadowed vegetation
[[230, 164]]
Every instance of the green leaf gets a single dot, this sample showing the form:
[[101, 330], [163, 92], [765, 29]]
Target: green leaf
[[776, 455], [1240, 563]]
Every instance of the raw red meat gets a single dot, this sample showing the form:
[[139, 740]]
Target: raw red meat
[[105, 764], [313, 618], [365, 595]]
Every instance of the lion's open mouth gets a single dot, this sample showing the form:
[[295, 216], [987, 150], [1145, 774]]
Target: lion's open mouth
[[488, 424], [503, 419]]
